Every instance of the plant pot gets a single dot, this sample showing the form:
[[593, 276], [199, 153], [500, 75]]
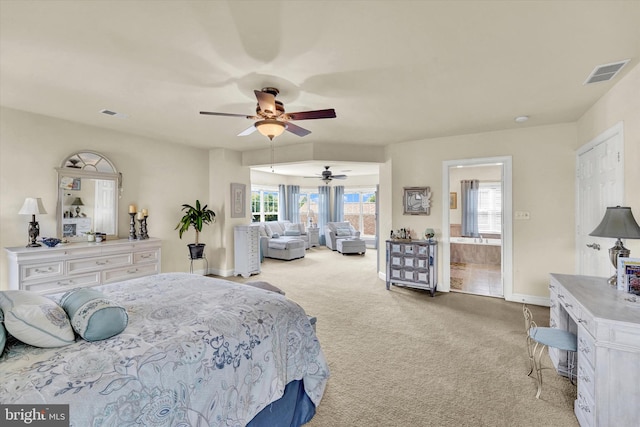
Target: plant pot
[[196, 251]]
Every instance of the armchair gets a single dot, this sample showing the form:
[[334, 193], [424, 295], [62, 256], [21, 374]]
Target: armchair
[[335, 231]]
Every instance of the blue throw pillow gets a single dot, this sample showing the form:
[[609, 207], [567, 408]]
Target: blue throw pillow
[[93, 316]]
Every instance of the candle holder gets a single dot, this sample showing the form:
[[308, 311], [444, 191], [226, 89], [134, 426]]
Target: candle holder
[[132, 226], [143, 228]]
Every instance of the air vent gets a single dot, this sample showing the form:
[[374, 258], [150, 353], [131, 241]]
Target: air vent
[[606, 72]]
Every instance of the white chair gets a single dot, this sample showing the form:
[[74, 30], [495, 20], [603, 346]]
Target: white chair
[[540, 337]]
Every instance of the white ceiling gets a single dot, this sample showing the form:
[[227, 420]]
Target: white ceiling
[[393, 70]]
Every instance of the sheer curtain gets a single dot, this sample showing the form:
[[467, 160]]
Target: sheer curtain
[[323, 210], [282, 202], [469, 205], [338, 203], [293, 199]]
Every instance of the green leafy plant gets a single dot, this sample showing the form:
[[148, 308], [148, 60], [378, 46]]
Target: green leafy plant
[[195, 217]]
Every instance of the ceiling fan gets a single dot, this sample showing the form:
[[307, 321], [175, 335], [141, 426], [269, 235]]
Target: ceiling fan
[[271, 117], [327, 175]]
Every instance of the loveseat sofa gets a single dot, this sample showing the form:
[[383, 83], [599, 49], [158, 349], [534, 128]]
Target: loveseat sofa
[[283, 240], [335, 231]]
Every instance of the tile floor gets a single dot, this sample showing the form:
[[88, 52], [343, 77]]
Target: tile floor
[[478, 279]]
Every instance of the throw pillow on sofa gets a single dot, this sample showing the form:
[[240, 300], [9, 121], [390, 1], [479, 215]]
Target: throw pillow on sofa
[[93, 316], [35, 320]]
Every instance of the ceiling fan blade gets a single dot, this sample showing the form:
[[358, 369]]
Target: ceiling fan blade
[[339, 176], [297, 130], [266, 101], [210, 113], [317, 114], [248, 131]]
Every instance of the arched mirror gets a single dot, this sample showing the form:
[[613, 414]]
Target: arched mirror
[[88, 192]]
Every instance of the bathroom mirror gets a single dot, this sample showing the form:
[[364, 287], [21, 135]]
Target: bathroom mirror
[[88, 193]]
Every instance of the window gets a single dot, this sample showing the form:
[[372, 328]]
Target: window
[[308, 203], [490, 208], [264, 205], [360, 210]]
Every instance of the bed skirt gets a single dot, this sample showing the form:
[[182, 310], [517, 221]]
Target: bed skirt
[[293, 409]]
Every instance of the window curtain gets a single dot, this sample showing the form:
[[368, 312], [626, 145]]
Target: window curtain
[[323, 210], [469, 205], [338, 203], [293, 203], [282, 202]]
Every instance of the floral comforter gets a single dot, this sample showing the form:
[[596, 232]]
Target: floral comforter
[[196, 351]]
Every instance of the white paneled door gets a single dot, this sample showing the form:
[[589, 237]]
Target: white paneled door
[[600, 183]]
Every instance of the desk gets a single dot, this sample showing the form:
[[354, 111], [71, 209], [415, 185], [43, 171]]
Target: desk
[[608, 329]]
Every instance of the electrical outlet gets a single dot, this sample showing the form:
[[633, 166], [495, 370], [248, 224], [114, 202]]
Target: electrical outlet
[[522, 215]]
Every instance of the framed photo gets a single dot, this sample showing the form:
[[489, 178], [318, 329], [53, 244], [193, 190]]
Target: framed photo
[[453, 200], [238, 209], [417, 200], [69, 183], [629, 275]]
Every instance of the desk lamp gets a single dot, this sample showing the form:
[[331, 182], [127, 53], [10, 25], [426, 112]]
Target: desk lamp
[[33, 206], [619, 223]]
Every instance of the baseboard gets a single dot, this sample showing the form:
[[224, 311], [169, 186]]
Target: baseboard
[[221, 273]]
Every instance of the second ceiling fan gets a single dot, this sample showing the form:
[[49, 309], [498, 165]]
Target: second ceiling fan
[[327, 176], [271, 117]]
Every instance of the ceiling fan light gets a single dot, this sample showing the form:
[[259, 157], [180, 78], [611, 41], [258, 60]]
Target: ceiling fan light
[[270, 128]]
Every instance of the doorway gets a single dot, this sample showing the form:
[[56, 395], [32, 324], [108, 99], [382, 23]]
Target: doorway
[[477, 260]]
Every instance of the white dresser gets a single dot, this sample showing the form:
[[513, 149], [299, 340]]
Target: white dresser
[[608, 329], [48, 270], [247, 250]]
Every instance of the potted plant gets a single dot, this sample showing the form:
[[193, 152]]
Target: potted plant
[[195, 217]]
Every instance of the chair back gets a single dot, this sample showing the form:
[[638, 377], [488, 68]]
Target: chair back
[[528, 319]]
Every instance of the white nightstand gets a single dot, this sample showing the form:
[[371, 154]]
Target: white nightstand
[[314, 236]]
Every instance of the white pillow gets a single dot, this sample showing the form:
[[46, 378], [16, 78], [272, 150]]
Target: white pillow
[[291, 227], [35, 319], [262, 231], [275, 228]]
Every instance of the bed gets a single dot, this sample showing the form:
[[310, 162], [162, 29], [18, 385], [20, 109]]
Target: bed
[[196, 351]]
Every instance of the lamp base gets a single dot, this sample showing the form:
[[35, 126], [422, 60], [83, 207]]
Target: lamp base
[[617, 251]]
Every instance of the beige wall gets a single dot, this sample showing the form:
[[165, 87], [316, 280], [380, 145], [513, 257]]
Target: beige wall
[[543, 184], [157, 175], [620, 104]]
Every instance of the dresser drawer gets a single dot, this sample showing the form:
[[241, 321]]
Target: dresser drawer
[[64, 283], [98, 263], [41, 271], [586, 381], [146, 256], [586, 347], [130, 272], [584, 410]]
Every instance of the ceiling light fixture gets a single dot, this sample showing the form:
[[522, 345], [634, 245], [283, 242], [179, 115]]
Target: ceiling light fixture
[[270, 128], [521, 119]]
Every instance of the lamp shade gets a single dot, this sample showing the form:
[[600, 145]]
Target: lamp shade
[[77, 202], [619, 223], [270, 128], [32, 206]]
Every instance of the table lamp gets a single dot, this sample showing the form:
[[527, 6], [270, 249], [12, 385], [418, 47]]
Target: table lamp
[[33, 206], [77, 203], [618, 223]]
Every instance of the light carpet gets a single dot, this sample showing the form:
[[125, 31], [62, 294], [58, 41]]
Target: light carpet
[[403, 358]]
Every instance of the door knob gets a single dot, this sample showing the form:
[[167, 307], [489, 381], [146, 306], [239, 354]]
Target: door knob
[[595, 246]]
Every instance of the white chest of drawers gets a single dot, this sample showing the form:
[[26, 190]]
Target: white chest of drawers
[[246, 250], [49, 270], [608, 329]]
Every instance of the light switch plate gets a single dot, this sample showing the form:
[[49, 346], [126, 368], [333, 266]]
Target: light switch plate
[[522, 215]]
